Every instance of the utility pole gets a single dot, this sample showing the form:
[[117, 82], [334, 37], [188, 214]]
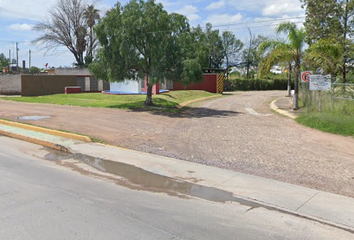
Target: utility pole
[[9, 60], [29, 59], [17, 56]]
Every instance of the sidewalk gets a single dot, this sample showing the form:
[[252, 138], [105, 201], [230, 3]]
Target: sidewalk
[[332, 209], [284, 106]]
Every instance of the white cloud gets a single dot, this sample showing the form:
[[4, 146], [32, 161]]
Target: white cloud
[[216, 5], [219, 19], [268, 7], [281, 8], [189, 11], [34, 10], [21, 27]]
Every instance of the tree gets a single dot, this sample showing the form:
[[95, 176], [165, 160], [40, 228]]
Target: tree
[[91, 15], [296, 40], [141, 40], [4, 62], [322, 19], [276, 51], [66, 27], [332, 22], [231, 48], [250, 55], [215, 46], [325, 53]]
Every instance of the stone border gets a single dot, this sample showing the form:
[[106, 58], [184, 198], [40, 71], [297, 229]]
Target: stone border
[[47, 131]]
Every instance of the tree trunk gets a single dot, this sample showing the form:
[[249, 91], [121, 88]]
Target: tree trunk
[[227, 68], [345, 19], [148, 100], [248, 71], [296, 95], [289, 80]]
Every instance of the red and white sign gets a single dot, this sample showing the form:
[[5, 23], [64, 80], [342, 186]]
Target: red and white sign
[[305, 76]]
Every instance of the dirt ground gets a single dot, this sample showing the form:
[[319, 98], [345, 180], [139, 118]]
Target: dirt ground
[[238, 132]]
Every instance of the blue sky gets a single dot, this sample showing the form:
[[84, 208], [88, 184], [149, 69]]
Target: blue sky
[[18, 16]]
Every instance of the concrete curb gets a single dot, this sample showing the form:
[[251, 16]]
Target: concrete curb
[[195, 100], [278, 110], [47, 131], [36, 141]]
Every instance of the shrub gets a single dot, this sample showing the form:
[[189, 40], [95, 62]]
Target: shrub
[[255, 84]]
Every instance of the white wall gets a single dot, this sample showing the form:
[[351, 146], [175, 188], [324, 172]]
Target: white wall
[[130, 86]]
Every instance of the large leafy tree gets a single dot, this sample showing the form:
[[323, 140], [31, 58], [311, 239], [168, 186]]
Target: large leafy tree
[[4, 62], [331, 22], [67, 26], [215, 45], [141, 40], [231, 47], [289, 51], [322, 19]]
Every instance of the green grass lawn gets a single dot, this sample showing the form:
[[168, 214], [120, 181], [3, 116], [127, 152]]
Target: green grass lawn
[[337, 124], [167, 101], [339, 120]]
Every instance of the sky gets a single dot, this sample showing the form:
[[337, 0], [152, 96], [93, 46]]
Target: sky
[[17, 17]]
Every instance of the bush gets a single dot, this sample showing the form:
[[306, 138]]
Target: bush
[[255, 84], [34, 70]]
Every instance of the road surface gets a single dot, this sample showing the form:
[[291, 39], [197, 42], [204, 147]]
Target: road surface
[[41, 199]]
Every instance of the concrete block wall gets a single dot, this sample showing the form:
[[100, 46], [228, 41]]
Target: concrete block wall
[[10, 84]]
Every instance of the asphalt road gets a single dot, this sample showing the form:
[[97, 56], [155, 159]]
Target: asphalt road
[[40, 199]]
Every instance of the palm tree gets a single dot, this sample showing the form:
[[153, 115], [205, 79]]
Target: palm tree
[[91, 15], [289, 51], [276, 52], [327, 54]]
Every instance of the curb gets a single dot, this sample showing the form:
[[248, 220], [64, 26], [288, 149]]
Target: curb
[[36, 141], [283, 112], [47, 131], [181, 105]]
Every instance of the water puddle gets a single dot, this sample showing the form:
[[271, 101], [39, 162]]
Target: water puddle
[[140, 179], [32, 118]]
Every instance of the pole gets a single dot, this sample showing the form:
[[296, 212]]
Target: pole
[[16, 56], [303, 94], [29, 59], [319, 101], [9, 60], [307, 95]]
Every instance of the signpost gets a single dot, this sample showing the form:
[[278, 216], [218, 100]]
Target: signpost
[[305, 76], [305, 79], [320, 83]]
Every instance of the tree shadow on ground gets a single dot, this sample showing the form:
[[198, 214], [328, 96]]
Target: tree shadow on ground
[[188, 112], [167, 108]]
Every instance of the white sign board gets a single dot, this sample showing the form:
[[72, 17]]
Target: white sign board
[[305, 76], [320, 82]]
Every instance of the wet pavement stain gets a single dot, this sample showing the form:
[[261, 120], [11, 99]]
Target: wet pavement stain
[[140, 179], [32, 118]]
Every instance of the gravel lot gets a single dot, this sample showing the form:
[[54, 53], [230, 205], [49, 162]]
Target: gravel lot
[[237, 132]]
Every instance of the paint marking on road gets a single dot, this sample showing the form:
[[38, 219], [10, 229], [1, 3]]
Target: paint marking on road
[[253, 112]]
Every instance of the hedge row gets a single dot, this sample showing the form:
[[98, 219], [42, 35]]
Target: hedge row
[[255, 84]]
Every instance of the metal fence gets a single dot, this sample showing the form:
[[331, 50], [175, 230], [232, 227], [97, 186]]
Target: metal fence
[[342, 90]]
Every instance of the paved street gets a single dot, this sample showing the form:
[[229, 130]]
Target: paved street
[[41, 199]]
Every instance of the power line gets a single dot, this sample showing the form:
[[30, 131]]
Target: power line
[[229, 25], [274, 20], [260, 26]]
